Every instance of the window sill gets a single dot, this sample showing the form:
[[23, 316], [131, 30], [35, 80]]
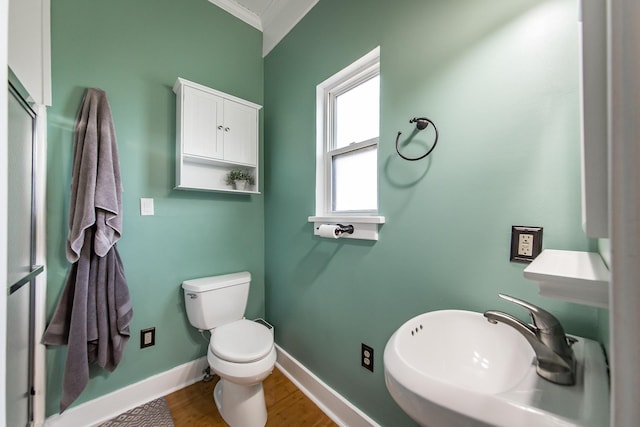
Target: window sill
[[365, 227]]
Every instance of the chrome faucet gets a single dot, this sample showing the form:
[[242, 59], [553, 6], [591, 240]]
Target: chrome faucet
[[554, 356]]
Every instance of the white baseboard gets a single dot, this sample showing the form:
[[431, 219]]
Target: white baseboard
[[339, 409], [105, 407], [99, 410]]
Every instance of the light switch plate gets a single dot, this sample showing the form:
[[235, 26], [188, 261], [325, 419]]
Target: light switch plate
[[526, 243], [146, 207]]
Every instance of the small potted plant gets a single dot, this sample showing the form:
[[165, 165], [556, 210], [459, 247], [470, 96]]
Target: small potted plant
[[239, 179]]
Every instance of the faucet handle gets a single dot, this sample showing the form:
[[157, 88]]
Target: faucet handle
[[544, 321]]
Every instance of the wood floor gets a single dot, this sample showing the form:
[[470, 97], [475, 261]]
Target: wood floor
[[287, 406]]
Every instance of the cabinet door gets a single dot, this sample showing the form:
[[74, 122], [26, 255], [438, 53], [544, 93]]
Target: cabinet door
[[241, 133], [201, 117]]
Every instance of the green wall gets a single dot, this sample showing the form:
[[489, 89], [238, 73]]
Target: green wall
[[135, 50], [500, 80], [498, 77]]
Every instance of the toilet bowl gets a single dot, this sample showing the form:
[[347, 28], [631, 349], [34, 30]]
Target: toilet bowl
[[240, 351]]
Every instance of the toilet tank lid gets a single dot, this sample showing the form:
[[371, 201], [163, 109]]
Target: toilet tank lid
[[204, 284]]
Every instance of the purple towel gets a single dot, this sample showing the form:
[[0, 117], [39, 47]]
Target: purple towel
[[95, 178], [94, 311], [92, 318]]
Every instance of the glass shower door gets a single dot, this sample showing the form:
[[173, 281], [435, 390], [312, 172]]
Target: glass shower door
[[21, 271]]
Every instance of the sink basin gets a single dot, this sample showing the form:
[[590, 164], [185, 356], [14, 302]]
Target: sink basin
[[452, 367]]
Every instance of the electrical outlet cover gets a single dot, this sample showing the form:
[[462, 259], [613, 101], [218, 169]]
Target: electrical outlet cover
[[526, 243], [147, 337], [366, 357]]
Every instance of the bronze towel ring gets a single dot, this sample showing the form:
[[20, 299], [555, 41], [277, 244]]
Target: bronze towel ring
[[421, 124]]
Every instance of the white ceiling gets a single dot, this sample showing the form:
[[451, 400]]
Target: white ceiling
[[275, 18]]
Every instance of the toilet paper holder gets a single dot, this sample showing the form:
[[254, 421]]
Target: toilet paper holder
[[338, 229], [345, 228]]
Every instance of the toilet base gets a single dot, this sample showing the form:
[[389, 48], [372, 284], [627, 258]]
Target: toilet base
[[240, 405]]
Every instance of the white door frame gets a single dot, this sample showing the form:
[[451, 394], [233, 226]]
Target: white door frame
[[624, 208], [4, 78], [40, 308]]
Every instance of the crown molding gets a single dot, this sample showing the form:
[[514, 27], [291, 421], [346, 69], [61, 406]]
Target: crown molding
[[280, 18], [239, 12], [275, 22]]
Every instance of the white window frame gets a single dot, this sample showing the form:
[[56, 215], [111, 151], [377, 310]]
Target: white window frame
[[367, 221]]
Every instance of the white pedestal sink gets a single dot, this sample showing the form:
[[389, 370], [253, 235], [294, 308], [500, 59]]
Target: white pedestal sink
[[453, 368]]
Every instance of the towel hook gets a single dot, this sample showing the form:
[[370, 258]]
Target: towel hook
[[421, 124]]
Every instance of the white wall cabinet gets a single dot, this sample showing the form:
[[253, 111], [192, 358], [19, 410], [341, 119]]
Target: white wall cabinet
[[215, 133]]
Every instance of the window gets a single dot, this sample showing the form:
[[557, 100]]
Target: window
[[348, 125]]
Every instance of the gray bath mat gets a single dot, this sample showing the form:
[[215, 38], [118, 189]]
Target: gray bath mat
[[155, 413]]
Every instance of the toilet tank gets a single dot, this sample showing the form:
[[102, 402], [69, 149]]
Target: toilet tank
[[216, 300]]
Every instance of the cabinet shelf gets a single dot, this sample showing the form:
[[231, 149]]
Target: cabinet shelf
[[579, 277], [215, 162], [217, 190], [215, 133]]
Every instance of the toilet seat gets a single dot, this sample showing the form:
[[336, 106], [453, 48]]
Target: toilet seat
[[242, 341]]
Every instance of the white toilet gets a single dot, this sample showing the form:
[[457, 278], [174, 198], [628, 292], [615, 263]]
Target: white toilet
[[241, 351]]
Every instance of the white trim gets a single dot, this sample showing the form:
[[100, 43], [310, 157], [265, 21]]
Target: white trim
[[354, 75], [30, 47], [364, 227], [361, 230], [239, 12], [339, 409], [370, 219], [321, 106], [275, 21], [280, 18], [356, 67], [40, 313], [360, 70], [624, 208], [46, 52], [105, 407], [593, 117], [4, 78]]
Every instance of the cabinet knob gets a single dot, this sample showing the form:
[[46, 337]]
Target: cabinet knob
[[227, 129], [220, 127]]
